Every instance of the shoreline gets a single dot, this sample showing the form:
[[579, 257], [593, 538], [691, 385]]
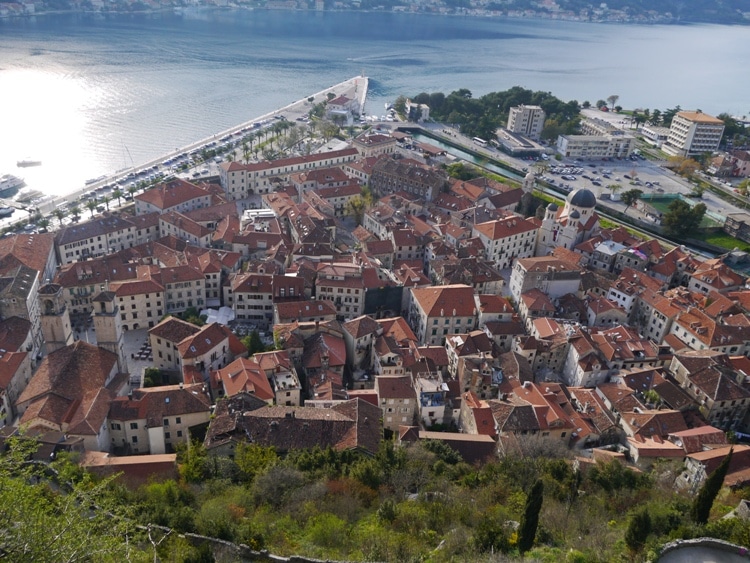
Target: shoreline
[[48, 206], [536, 16]]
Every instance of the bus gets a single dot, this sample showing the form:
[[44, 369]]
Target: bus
[[480, 142]]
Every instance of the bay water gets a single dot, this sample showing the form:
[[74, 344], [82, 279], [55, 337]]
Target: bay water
[[91, 94]]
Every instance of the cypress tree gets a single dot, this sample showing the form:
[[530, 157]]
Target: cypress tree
[[530, 520], [702, 504], [639, 527]]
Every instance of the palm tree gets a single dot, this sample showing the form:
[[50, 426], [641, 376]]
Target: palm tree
[[43, 223], [75, 212], [117, 192], [106, 199], [132, 190], [245, 151], [59, 214], [91, 206]]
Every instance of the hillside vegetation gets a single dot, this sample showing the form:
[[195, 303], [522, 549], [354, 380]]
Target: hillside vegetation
[[420, 503]]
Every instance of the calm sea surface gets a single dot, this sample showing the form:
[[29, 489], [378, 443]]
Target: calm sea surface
[[89, 95]]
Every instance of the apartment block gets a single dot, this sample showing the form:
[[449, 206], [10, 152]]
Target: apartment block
[[693, 133]]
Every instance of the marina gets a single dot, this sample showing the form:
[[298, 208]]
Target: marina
[[130, 180]]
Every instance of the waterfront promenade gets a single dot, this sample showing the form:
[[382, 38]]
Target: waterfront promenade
[[355, 87]]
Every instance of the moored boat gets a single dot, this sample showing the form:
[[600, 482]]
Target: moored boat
[[8, 183], [23, 163]]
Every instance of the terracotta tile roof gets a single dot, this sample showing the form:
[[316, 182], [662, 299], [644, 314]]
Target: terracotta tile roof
[[514, 417], [321, 346], [504, 228], [545, 263], [156, 403], [718, 275], [172, 193], [438, 355], [353, 424], [696, 439], [536, 300], [208, 337], [650, 423], [361, 326], [136, 287], [395, 387], [180, 221], [32, 251], [490, 304], [177, 274], [68, 388], [10, 362], [213, 213], [398, 329], [245, 376], [447, 300], [304, 310], [173, 329], [97, 226], [471, 344], [13, 333]]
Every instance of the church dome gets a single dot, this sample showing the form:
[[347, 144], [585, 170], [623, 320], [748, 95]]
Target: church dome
[[582, 198], [552, 206], [575, 215]]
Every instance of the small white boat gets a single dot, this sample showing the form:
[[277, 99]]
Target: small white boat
[[23, 163]]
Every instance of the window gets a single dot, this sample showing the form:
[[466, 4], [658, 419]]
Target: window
[[135, 439], [134, 426], [179, 433], [178, 420], [166, 435], [166, 422]]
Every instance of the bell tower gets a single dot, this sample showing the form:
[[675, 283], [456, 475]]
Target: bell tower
[[55, 318], [108, 327]]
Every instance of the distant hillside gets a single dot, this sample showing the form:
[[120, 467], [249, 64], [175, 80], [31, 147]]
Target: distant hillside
[[718, 11]]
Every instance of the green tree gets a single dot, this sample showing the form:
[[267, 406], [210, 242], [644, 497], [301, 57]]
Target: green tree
[[117, 193], [91, 206], [253, 459], [43, 223], [253, 343], [59, 215], [681, 219], [45, 518], [356, 208], [613, 100], [530, 519], [639, 527], [701, 508], [630, 197]]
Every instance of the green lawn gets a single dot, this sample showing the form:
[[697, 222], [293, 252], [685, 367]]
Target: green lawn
[[723, 240]]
